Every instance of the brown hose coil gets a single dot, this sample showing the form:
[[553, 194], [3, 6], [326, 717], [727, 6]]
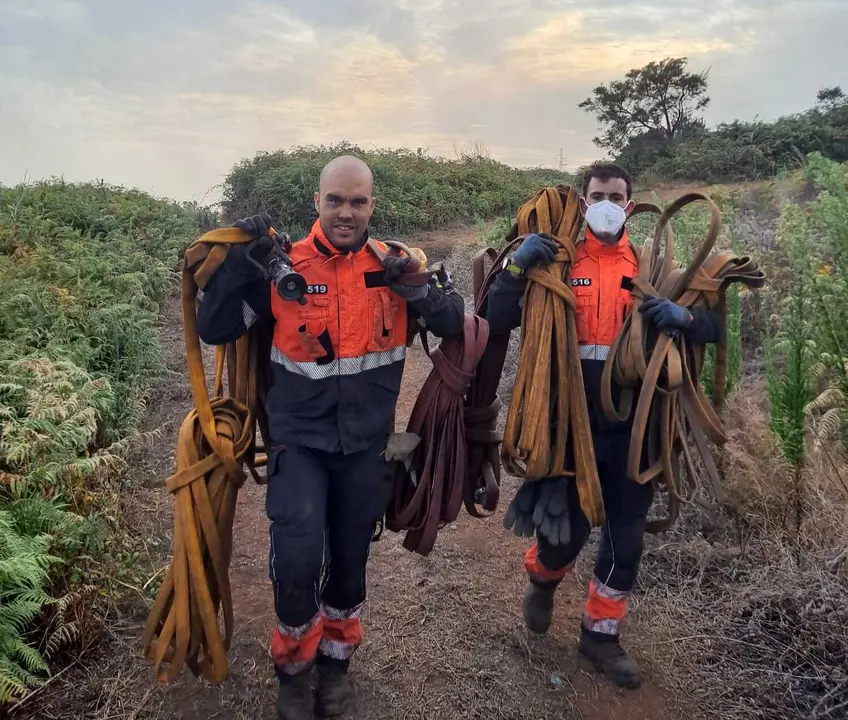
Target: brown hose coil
[[667, 368]]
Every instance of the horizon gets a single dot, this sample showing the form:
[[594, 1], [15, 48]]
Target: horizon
[[169, 99]]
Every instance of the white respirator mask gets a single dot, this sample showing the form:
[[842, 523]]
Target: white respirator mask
[[605, 217]]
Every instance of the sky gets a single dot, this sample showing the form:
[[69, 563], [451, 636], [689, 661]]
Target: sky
[[168, 95]]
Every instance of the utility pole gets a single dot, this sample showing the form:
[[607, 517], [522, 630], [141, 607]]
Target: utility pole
[[561, 160]]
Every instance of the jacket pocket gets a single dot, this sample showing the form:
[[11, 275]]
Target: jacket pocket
[[317, 308], [382, 310], [315, 340], [584, 297]]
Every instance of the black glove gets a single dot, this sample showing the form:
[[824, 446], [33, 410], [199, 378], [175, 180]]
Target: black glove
[[666, 314], [237, 258], [256, 226], [535, 249], [394, 265], [550, 515], [519, 514], [541, 505]]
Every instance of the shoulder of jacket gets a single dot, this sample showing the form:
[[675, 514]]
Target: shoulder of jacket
[[303, 249], [580, 251]]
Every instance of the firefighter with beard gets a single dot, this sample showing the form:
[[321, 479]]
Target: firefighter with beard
[[600, 278]]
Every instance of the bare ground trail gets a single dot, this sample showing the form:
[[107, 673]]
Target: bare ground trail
[[443, 634]]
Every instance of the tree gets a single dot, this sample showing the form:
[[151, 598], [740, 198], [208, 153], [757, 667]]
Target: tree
[[662, 97], [829, 99]]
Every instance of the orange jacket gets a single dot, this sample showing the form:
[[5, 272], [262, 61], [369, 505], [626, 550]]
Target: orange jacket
[[351, 321], [337, 361], [601, 278]]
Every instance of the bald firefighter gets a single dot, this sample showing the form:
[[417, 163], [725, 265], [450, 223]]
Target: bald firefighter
[[601, 280], [337, 362]]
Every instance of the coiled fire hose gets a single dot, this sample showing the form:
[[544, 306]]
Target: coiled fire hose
[[217, 440], [430, 491], [671, 403], [548, 397], [548, 390]]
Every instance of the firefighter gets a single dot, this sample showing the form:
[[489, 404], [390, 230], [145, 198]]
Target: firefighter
[[600, 278], [337, 363]]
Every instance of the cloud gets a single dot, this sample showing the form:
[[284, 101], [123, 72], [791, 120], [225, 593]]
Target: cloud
[[168, 96]]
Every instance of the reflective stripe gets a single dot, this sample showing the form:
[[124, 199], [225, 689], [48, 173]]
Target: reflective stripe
[[594, 352], [340, 366], [605, 608], [342, 632], [247, 314], [335, 614]]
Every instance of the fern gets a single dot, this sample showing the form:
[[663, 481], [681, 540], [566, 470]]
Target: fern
[[25, 564], [85, 269]]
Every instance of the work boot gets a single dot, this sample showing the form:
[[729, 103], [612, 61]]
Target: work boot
[[610, 658], [538, 607], [332, 690], [294, 697]]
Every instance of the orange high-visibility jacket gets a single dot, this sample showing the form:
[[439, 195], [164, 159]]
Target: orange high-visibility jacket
[[337, 361], [601, 278]]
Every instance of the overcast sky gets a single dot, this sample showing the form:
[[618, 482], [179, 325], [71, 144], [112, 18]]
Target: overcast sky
[[167, 95]]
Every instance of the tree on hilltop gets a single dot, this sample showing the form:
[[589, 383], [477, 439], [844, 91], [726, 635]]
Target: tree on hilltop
[[662, 99]]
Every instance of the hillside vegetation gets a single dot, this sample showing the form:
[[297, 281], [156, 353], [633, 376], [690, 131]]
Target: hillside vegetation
[[747, 594], [745, 597], [415, 191], [650, 122], [83, 270]]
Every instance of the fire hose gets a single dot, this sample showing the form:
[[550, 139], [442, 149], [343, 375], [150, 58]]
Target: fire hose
[[548, 412], [217, 440], [548, 388], [666, 367]]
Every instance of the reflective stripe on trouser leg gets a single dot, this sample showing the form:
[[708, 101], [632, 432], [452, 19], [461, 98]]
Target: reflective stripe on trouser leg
[[294, 648], [342, 632], [605, 608], [539, 572]]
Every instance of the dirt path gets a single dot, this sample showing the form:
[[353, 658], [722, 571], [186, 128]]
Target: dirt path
[[443, 634]]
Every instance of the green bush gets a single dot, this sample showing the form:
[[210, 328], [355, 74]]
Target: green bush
[[83, 270], [742, 150], [414, 191]]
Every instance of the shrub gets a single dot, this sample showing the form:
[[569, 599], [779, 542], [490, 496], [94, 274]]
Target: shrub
[[414, 191], [83, 270]]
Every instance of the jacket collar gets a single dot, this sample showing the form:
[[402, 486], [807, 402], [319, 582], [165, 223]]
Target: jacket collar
[[325, 247], [596, 248]]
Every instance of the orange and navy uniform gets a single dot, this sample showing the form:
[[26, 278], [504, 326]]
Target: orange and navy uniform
[[337, 363], [337, 360], [601, 279]]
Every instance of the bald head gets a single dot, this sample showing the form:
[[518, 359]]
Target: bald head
[[345, 200], [346, 166]]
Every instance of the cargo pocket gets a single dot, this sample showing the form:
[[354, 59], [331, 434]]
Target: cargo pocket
[[383, 310], [315, 340], [583, 296]]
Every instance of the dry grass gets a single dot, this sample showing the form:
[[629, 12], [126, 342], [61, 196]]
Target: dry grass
[[749, 610], [755, 619]]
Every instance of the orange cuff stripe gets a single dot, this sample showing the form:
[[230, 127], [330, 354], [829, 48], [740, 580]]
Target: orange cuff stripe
[[347, 632], [601, 608], [286, 650], [534, 566]]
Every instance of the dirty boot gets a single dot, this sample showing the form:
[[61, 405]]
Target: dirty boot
[[294, 697], [609, 657], [538, 607], [332, 690]]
